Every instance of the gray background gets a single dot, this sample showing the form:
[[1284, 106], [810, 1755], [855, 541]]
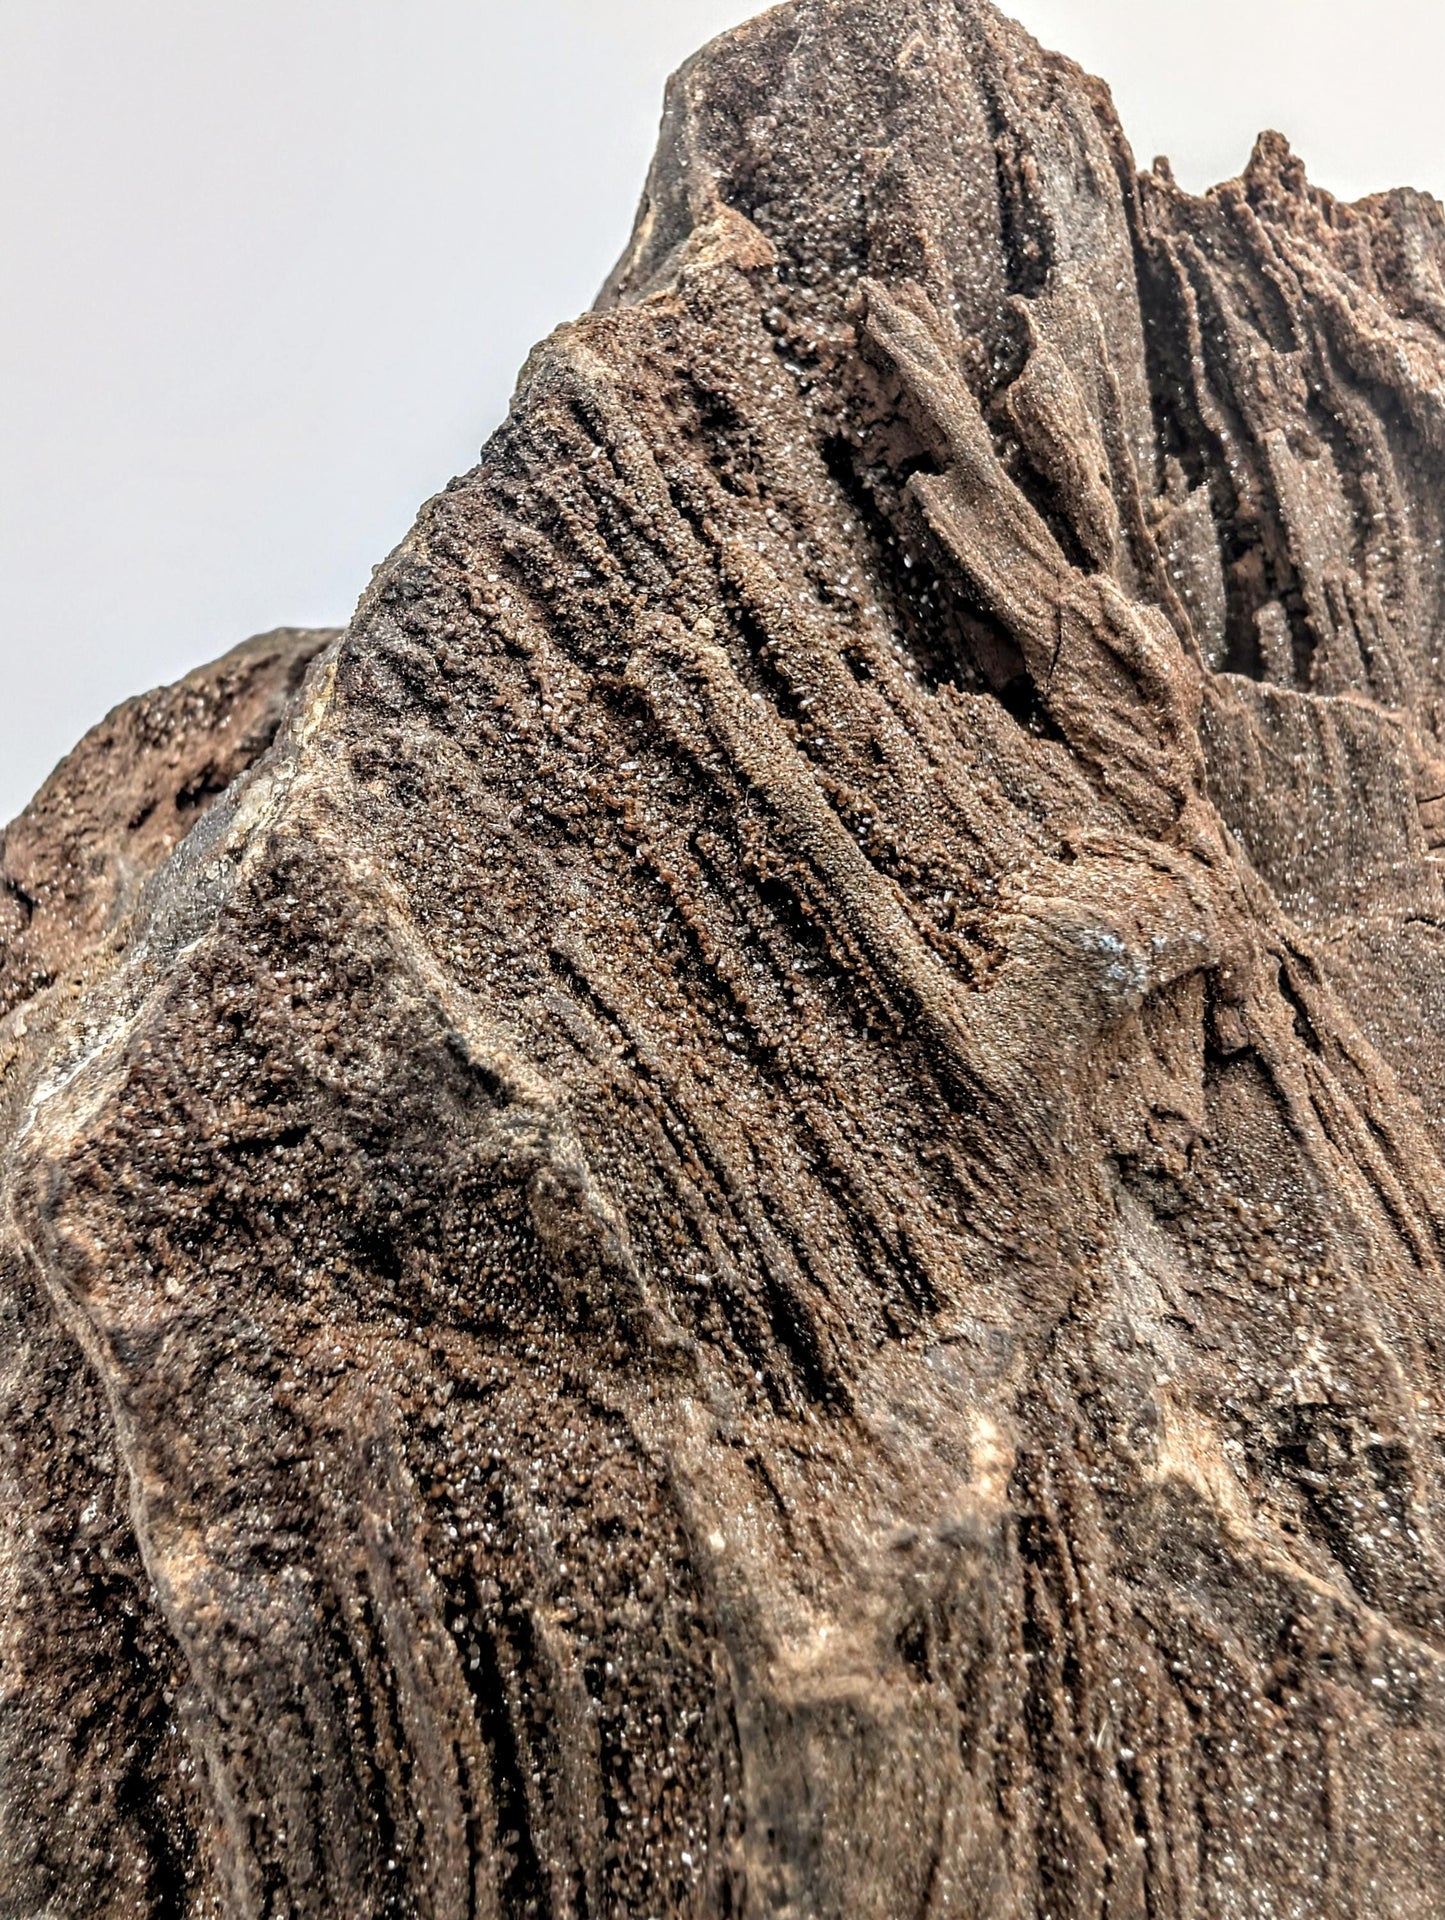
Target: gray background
[[270, 266]]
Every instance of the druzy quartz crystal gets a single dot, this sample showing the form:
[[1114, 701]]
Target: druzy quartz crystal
[[741, 1212]]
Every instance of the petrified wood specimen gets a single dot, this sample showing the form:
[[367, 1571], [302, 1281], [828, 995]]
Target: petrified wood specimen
[[757, 1228]]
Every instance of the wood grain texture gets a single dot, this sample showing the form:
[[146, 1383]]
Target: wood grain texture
[[757, 1228]]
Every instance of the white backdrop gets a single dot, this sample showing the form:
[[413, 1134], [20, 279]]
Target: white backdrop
[[268, 268]]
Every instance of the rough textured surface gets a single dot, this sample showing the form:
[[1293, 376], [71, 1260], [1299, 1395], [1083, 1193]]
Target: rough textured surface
[[97, 1811], [758, 1230], [72, 866]]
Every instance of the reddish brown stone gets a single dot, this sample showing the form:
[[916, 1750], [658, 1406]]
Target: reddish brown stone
[[758, 1229]]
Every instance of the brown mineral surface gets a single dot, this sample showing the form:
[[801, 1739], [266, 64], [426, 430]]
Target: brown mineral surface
[[743, 1212]]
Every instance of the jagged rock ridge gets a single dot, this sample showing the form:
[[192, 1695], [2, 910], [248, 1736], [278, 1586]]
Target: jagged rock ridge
[[757, 1229]]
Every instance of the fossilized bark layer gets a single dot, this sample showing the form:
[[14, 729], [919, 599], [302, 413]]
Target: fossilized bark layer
[[758, 1228]]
